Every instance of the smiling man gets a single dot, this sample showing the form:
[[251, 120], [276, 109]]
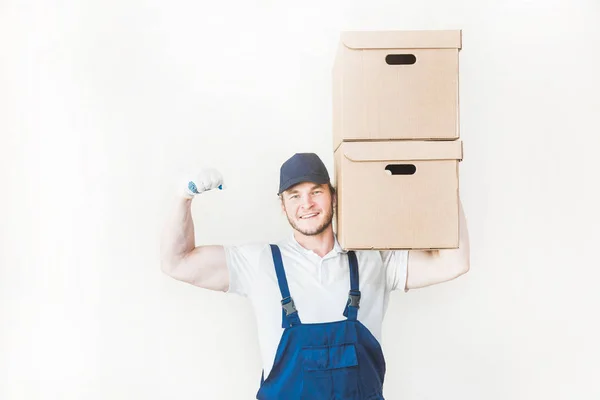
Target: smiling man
[[319, 308]]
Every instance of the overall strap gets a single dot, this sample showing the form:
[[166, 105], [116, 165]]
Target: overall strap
[[289, 314], [352, 306]]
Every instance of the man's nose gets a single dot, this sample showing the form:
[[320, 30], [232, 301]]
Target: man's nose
[[307, 201]]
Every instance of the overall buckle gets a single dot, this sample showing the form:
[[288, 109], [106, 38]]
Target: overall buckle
[[354, 298], [288, 306]]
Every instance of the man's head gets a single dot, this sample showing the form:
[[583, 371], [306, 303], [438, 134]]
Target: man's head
[[307, 196]]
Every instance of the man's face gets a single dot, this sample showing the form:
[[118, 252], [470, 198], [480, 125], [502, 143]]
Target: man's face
[[308, 207]]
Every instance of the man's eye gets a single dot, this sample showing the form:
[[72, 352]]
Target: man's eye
[[295, 196]]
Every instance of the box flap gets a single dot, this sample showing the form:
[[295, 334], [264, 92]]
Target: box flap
[[402, 150], [450, 39]]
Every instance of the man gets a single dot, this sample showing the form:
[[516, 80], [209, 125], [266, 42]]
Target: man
[[319, 308]]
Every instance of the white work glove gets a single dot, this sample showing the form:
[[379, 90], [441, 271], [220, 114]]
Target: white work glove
[[206, 179]]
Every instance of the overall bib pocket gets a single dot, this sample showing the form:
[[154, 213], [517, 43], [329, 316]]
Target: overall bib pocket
[[330, 372]]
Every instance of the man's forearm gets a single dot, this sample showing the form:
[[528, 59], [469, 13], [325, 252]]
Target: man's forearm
[[431, 267], [178, 235], [460, 258]]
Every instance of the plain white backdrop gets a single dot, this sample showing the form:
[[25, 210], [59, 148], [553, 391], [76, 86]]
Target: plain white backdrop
[[105, 104]]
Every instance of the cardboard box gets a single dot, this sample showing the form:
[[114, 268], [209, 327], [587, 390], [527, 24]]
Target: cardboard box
[[396, 85], [397, 194]]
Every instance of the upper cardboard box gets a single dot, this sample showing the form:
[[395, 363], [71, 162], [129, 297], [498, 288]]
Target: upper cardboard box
[[396, 85]]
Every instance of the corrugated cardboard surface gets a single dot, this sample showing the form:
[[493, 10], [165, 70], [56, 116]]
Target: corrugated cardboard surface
[[404, 150], [373, 100], [377, 210]]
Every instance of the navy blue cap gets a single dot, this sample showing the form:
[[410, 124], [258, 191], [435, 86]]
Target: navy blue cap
[[302, 167]]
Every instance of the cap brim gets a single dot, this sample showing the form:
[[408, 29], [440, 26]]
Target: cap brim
[[307, 178]]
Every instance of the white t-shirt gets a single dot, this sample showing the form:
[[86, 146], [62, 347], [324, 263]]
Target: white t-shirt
[[319, 286]]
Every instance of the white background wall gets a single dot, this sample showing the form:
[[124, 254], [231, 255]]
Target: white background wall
[[104, 104]]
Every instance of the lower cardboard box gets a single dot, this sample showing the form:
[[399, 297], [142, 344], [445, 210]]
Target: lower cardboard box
[[397, 194]]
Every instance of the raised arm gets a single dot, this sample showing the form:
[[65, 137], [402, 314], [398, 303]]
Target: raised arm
[[181, 259], [426, 268]]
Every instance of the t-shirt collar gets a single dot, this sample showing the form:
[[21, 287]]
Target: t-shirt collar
[[336, 246]]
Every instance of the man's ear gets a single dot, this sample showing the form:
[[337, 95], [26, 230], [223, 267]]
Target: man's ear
[[282, 204]]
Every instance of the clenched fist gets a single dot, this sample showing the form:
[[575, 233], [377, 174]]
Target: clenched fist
[[206, 179]]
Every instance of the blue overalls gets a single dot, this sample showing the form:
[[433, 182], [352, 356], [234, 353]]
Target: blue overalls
[[339, 360]]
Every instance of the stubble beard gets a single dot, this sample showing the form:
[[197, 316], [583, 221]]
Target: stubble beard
[[319, 229]]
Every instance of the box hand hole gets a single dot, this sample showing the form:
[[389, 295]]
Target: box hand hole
[[400, 59], [400, 169]]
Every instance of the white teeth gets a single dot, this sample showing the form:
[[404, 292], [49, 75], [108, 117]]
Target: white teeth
[[308, 216]]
